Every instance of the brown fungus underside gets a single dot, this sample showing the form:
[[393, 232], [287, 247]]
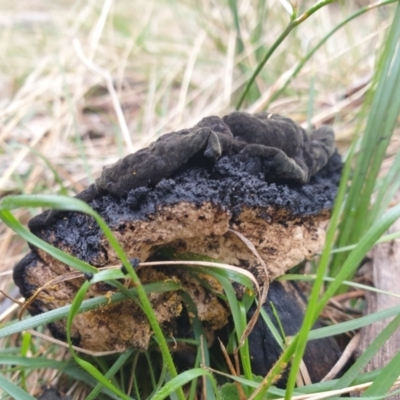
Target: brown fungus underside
[[259, 175]]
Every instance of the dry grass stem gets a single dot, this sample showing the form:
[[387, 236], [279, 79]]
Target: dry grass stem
[[344, 358]]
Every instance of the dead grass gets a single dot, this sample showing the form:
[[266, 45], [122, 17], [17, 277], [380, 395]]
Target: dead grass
[[170, 64]]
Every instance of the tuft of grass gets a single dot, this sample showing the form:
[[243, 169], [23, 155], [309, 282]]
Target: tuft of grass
[[84, 85]]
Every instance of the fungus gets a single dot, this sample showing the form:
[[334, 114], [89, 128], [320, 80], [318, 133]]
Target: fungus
[[199, 191]]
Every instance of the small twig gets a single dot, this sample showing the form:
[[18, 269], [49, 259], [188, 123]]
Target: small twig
[[228, 361], [11, 298], [349, 295]]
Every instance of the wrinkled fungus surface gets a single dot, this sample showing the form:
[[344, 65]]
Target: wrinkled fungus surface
[[259, 175]]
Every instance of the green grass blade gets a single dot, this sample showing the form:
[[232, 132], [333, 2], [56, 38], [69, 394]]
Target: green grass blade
[[92, 370], [69, 368], [30, 362], [13, 390], [353, 260], [277, 336], [354, 324], [297, 347], [348, 378], [202, 346], [7, 217], [308, 56], [382, 116], [387, 189], [294, 277], [181, 380], [390, 98], [292, 24], [110, 373], [238, 313], [385, 379], [236, 20], [87, 305], [309, 320], [385, 238]]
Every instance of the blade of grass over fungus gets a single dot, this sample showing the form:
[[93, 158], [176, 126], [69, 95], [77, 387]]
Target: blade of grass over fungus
[[294, 22], [8, 218], [87, 366], [157, 385], [119, 363], [275, 333], [382, 116], [299, 344], [315, 307], [224, 273], [297, 347], [238, 314], [87, 305], [202, 351], [61, 202], [299, 341]]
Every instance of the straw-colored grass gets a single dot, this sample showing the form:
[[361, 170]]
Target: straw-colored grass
[[85, 83]]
